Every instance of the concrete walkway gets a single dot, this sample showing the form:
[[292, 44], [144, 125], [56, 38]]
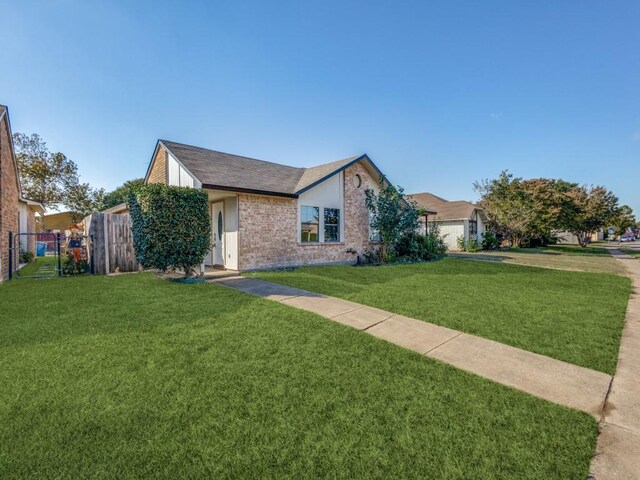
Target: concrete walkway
[[544, 377], [618, 451]]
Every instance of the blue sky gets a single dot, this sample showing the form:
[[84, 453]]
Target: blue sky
[[439, 94]]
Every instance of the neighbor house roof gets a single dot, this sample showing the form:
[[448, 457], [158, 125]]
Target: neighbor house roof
[[457, 210], [218, 170], [32, 203], [120, 208]]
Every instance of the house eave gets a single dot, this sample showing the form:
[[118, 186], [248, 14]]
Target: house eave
[[250, 191], [342, 169]]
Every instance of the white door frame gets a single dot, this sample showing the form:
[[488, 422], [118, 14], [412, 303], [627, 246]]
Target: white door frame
[[217, 252]]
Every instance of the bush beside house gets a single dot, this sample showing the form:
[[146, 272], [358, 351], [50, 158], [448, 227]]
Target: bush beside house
[[171, 227], [396, 221]]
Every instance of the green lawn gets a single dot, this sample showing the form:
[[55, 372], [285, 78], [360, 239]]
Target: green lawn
[[573, 316], [40, 266], [635, 252], [132, 377], [566, 257]]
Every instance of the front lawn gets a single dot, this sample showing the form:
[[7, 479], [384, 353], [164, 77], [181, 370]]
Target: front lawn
[[132, 377], [572, 316], [565, 257]]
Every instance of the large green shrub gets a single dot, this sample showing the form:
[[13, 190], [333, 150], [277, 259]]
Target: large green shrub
[[171, 227], [471, 245], [490, 241], [422, 247]]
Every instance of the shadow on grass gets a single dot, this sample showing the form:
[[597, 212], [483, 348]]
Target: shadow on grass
[[63, 307]]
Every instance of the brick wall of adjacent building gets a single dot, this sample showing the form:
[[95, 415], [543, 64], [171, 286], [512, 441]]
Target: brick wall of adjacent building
[[9, 195], [268, 229], [158, 173]]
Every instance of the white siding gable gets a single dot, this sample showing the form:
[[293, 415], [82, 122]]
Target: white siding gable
[[177, 175], [328, 194]]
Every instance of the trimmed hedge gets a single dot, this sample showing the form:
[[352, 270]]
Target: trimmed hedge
[[171, 227]]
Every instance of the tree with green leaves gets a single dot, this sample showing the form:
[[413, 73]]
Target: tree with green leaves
[[622, 220], [552, 206], [509, 206], [522, 210], [593, 208], [81, 199], [121, 193], [45, 176], [392, 216], [52, 178]]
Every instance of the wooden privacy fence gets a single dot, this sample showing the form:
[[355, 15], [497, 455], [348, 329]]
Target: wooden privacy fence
[[112, 242]]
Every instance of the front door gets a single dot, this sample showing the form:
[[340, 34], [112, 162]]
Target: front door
[[217, 221]]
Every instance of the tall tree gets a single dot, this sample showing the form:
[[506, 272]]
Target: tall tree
[[81, 199], [45, 176], [52, 178], [121, 194], [551, 204], [593, 208]]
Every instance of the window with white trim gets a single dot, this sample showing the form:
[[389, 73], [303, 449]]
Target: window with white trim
[[331, 224]]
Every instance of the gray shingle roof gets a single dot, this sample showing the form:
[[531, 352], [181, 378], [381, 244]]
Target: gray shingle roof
[[314, 174], [218, 169]]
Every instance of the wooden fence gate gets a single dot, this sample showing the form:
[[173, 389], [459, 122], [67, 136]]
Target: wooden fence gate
[[112, 242]]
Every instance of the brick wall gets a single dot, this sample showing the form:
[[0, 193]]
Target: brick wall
[[158, 173], [8, 198], [268, 229]]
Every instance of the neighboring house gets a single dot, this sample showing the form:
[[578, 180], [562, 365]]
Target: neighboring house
[[455, 219], [30, 213], [119, 209], [17, 214], [568, 238], [268, 215], [57, 222]]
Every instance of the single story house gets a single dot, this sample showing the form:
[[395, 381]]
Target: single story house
[[457, 219], [17, 214], [57, 222], [269, 215]]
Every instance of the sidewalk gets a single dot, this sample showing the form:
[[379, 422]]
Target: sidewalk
[[618, 451], [554, 380]]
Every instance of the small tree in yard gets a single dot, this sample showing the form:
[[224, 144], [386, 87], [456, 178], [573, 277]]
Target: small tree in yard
[[393, 217], [171, 227], [508, 205]]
